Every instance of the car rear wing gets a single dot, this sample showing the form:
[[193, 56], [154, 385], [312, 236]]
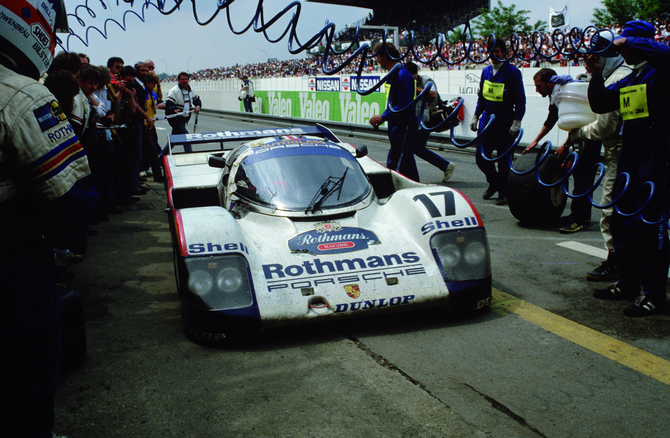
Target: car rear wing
[[220, 138]]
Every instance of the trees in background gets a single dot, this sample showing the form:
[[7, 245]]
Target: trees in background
[[504, 20], [622, 11]]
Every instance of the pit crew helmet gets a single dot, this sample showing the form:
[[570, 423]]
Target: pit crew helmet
[[611, 59], [28, 32]]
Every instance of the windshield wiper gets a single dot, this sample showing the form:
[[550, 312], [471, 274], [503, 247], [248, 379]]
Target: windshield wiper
[[329, 186]]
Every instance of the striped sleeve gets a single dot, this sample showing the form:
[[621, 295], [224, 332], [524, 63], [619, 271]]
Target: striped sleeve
[[49, 159]]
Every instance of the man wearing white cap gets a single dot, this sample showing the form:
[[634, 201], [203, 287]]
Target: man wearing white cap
[[606, 128]]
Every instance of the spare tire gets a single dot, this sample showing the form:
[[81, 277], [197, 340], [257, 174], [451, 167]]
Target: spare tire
[[531, 202]]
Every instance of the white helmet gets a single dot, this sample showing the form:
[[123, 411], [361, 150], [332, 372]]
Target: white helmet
[[28, 32]]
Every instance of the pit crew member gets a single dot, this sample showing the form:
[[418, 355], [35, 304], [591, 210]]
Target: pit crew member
[[641, 248], [46, 201], [606, 127], [501, 93], [403, 127]]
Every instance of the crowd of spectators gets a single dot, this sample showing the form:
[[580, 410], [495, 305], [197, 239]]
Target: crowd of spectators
[[533, 51], [111, 109]]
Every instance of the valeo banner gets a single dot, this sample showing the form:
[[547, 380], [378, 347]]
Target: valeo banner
[[331, 106]]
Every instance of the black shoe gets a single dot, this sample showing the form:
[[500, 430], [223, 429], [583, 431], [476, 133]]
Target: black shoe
[[139, 190], [489, 193], [62, 274], [614, 292], [573, 226], [606, 271], [644, 306], [502, 200], [127, 200]]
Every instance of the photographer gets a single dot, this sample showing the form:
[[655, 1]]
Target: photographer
[[181, 99], [247, 94], [131, 137]]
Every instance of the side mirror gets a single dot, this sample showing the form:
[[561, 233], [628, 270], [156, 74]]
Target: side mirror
[[215, 161], [361, 152]]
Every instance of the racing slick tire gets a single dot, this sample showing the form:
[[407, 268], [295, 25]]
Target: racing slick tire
[[73, 329], [531, 202]]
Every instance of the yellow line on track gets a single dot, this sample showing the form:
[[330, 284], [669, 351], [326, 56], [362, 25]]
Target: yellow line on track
[[627, 355]]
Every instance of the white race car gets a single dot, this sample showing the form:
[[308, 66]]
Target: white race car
[[290, 225]]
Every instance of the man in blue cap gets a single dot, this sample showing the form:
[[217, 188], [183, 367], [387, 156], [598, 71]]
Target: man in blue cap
[[640, 240]]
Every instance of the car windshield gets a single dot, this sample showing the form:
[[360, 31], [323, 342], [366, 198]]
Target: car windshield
[[303, 177]]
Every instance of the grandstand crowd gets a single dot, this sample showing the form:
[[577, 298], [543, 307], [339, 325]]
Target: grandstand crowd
[[527, 55]]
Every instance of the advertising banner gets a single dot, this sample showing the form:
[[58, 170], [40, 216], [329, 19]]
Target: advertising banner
[[559, 19], [334, 106]]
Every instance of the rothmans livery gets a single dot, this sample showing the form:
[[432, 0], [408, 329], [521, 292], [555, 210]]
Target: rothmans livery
[[54, 160], [290, 225]]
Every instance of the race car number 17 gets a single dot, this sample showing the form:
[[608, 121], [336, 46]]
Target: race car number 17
[[433, 210]]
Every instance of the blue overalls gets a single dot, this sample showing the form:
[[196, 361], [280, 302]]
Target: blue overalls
[[403, 128], [642, 249], [507, 107]]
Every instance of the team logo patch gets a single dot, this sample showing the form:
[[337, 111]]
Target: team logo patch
[[352, 290], [325, 227], [332, 238], [49, 115], [57, 111]]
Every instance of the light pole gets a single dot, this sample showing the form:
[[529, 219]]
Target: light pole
[[166, 69], [266, 54], [187, 61]]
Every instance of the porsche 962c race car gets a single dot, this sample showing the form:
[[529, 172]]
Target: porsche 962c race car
[[290, 225]]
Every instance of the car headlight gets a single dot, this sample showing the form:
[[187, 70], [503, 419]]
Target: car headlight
[[475, 253], [462, 255], [450, 255], [229, 280], [219, 282], [200, 282]]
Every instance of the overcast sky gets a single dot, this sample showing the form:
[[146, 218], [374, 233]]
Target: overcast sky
[[176, 42]]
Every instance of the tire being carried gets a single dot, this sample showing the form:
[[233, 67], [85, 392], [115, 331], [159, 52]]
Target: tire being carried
[[531, 202]]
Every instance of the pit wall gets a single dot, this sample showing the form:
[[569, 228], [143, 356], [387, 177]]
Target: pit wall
[[334, 98]]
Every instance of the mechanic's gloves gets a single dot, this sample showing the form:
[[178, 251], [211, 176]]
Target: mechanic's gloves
[[474, 123], [516, 125]]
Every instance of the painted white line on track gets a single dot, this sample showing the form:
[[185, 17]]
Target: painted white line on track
[[585, 249]]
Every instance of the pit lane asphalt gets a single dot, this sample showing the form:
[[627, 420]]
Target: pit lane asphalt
[[546, 360]]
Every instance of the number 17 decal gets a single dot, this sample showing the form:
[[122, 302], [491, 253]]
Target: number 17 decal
[[433, 209]]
